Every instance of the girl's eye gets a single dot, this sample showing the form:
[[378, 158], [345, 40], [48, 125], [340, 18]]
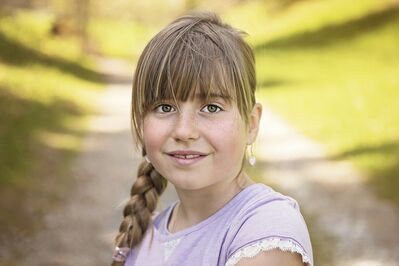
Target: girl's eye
[[164, 108], [211, 108]]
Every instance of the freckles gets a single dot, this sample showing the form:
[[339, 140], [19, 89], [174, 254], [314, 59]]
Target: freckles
[[227, 131], [151, 135], [234, 126], [218, 132]]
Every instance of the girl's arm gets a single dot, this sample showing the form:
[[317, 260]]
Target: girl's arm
[[273, 257]]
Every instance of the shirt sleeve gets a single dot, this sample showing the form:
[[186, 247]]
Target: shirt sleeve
[[276, 224]]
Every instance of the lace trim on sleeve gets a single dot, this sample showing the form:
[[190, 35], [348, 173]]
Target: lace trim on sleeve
[[255, 248]]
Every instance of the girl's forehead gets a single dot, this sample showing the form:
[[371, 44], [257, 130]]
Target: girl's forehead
[[212, 95], [201, 97]]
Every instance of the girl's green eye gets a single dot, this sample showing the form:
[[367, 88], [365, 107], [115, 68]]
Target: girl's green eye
[[164, 108], [211, 108]]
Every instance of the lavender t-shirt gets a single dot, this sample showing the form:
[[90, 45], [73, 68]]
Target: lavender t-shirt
[[257, 219]]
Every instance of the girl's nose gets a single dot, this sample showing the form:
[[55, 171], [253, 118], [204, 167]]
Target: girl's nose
[[186, 128]]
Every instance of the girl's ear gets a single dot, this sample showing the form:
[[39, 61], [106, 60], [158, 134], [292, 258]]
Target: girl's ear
[[254, 122]]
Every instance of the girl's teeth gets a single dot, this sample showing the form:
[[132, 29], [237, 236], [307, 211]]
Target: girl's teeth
[[189, 156]]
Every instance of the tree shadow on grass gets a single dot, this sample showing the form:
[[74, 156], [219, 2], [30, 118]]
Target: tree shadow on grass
[[271, 83], [384, 179], [19, 120], [14, 53], [33, 175], [332, 34]]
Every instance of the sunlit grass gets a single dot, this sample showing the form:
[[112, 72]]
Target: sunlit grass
[[330, 68], [124, 39], [45, 82], [60, 140], [32, 29], [265, 23]]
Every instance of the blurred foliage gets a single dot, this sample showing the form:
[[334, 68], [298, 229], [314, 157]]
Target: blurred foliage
[[46, 86], [330, 68], [43, 80], [123, 39]]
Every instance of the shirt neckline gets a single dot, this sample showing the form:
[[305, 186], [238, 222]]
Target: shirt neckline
[[170, 236]]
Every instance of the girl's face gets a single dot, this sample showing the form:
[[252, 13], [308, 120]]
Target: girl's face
[[196, 144]]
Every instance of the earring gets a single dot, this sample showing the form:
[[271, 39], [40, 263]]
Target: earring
[[251, 158], [146, 159]]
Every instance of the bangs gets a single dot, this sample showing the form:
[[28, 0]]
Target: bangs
[[195, 56], [194, 67]]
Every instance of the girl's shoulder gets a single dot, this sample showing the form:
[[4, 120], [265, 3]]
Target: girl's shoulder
[[259, 194], [267, 220], [259, 201]]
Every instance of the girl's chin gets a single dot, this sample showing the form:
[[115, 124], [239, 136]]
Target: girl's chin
[[186, 182]]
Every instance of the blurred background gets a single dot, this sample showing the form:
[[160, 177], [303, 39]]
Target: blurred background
[[327, 74]]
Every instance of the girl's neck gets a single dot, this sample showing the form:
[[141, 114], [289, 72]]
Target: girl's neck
[[196, 206]]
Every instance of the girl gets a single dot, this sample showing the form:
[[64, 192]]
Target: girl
[[194, 114]]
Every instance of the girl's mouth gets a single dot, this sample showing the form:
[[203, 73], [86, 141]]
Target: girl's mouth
[[186, 157]]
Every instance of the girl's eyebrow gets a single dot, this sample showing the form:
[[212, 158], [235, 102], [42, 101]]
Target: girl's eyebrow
[[212, 95]]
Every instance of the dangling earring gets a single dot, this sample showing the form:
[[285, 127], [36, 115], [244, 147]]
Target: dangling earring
[[144, 154], [251, 158]]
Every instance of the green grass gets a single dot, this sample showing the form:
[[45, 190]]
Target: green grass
[[44, 82], [264, 23], [122, 39], [46, 86], [330, 68]]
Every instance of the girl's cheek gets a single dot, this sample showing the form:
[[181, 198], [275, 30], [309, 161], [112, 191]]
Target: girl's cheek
[[231, 126], [151, 133]]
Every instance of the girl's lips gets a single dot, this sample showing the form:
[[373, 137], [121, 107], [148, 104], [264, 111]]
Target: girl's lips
[[186, 152], [186, 159]]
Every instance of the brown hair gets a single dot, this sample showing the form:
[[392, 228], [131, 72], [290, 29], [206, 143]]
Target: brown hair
[[195, 54]]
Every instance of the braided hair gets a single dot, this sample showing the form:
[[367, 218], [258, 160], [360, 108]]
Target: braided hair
[[138, 212]]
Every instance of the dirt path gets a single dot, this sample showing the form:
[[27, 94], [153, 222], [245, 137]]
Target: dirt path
[[81, 231], [363, 227]]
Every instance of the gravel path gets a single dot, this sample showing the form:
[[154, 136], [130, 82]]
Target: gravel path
[[363, 227], [82, 230]]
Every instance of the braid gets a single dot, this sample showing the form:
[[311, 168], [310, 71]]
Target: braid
[[139, 209]]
